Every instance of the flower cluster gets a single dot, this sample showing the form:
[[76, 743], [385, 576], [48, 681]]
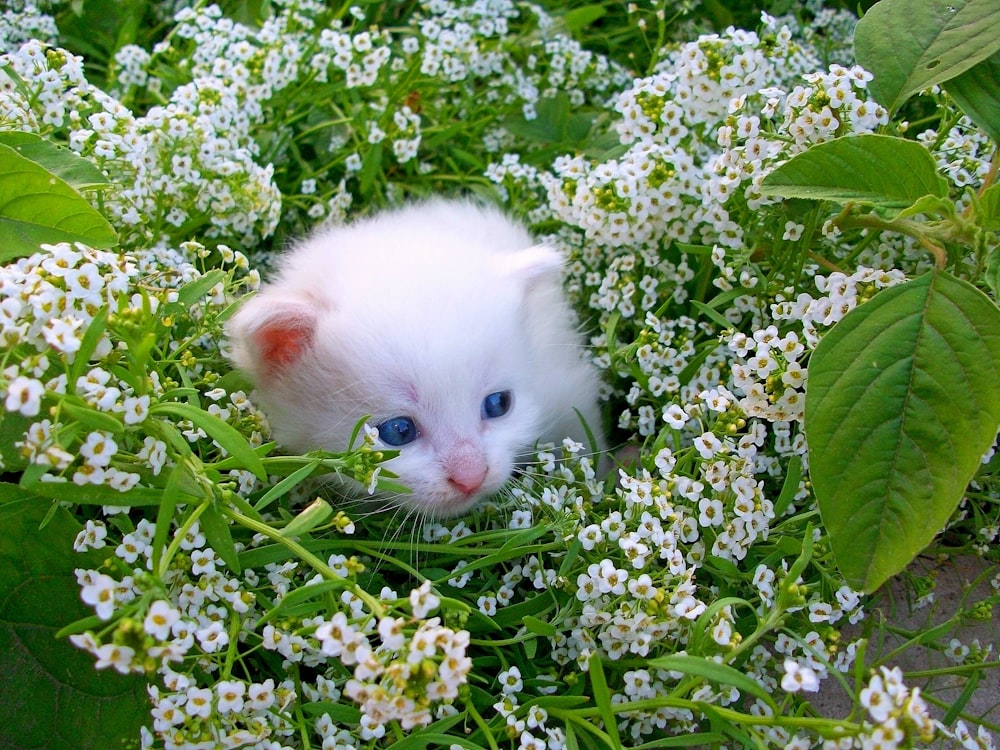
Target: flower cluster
[[900, 713], [23, 20], [177, 168], [69, 305], [839, 294], [771, 125], [405, 677]]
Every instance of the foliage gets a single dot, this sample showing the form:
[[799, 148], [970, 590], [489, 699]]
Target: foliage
[[790, 288]]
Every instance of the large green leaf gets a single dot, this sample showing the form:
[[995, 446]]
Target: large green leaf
[[50, 694], [63, 163], [36, 206], [902, 401], [911, 45], [977, 92], [877, 170]]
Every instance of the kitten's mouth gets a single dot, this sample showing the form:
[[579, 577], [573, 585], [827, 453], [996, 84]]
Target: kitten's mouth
[[456, 505]]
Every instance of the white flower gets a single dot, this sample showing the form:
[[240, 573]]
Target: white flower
[[24, 395], [230, 693], [154, 453], [675, 416], [590, 536], [99, 592], [390, 630], [212, 638], [707, 445], [423, 601], [113, 655], [339, 638], [798, 678], [520, 519], [136, 409], [199, 702], [510, 681], [160, 619], [956, 651], [260, 695], [91, 536], [98, 449]]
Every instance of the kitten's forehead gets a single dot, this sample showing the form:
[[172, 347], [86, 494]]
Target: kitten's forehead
[[419, 358]]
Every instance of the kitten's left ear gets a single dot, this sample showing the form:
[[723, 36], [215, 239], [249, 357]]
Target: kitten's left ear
[[532, 263]]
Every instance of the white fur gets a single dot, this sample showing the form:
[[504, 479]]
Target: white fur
[[421, 312]]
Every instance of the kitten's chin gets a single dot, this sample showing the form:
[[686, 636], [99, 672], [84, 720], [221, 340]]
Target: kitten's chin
[[442, 504], [449, 507]]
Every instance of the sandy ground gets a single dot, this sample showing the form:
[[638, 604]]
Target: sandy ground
[[894, 604]]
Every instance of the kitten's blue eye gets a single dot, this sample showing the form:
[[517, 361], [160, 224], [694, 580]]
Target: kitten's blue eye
[[398, 431], [496, 404]]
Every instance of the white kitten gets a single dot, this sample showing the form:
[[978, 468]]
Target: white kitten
[[446, 324]]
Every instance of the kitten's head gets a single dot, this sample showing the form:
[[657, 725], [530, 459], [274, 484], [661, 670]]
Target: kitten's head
[[432, 348]]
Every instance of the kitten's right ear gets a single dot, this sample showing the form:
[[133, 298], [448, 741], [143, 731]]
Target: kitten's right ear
[[531, 263], [268, 335]]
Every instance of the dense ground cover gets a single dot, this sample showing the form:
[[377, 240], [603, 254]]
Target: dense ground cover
[[766, 240]]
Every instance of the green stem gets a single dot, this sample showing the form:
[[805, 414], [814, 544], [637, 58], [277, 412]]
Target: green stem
[[830, 728], [301, 720], [480, 722], [950, 671], [175, 543], [373, 604]]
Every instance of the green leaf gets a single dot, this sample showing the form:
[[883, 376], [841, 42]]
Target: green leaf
[[911, 45], [557, 127], [294, 599], [723, 674], [52, 695], [977, 92], [13, 500], [285, 485], [436, 736], [196, 290], [342, 713], [988, 211], [91, 338], [902, 401], [59, 160], [13, 425], [709, 312], [992, 275], [371, 165], [215, 527], [313, 515], [602, 699], [93, 419], [578, 19], [93, 494], [165, 513], [550, 121], [876, 170], [539, 627], [928, 205], [37, 207], [793, 475], [221, 432]]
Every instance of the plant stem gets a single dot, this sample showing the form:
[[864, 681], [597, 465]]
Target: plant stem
[[373, 604]]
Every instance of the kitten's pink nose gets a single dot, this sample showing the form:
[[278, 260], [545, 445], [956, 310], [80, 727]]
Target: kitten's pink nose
[[466, 468], [469, 480]]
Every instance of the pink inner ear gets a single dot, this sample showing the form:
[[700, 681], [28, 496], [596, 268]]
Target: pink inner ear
[[282, 339]]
